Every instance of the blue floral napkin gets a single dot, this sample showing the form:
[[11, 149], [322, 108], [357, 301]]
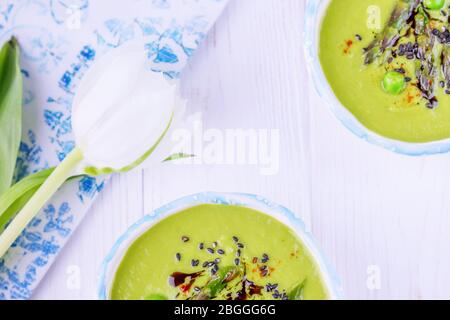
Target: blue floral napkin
[[60, 40]]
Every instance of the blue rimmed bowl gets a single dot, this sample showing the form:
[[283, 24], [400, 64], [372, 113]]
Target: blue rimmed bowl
[[314, 12], [114, 257]]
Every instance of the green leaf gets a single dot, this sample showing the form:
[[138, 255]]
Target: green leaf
[[224, 276], [10, 111], [214, 287], [297, 292], [15, 207], [50, 185], [178, 156], [13, 200]]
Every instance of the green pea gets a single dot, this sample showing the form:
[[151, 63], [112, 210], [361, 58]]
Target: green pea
[[434, 4], [156, 296], [393, 82]]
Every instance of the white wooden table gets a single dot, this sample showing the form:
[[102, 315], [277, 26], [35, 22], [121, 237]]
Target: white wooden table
[[373, 212]]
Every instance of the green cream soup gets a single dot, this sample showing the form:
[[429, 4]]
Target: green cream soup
[[361, 41], [218, 252]]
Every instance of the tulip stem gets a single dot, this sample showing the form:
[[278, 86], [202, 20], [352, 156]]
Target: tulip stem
[[39, 199]]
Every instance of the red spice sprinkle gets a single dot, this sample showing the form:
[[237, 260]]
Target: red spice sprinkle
[[348, 46], [410, 98], [185, 288]]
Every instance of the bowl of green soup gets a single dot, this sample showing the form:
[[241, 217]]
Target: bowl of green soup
[[383, 67], [213, 246]]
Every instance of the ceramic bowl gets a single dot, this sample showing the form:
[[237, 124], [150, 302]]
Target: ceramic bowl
[[114, 257], [314, 13]]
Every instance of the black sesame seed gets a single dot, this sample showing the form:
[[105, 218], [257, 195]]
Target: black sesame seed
[[435, 32], [220, 251], [184, 239], [210, 250], [447, 91], [238, 253], [205, 264], [235, 239], [194, 262], [197, 289], [237, 261], [178, 256], [216, 260], [214, 244], [240, 245], [358, 37], [270, 287], [430, 105], [408, 79], [211, 264], [442, 84], [265, 257]]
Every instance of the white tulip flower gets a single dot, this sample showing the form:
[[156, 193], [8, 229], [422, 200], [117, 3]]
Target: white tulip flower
[[120, 114]]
